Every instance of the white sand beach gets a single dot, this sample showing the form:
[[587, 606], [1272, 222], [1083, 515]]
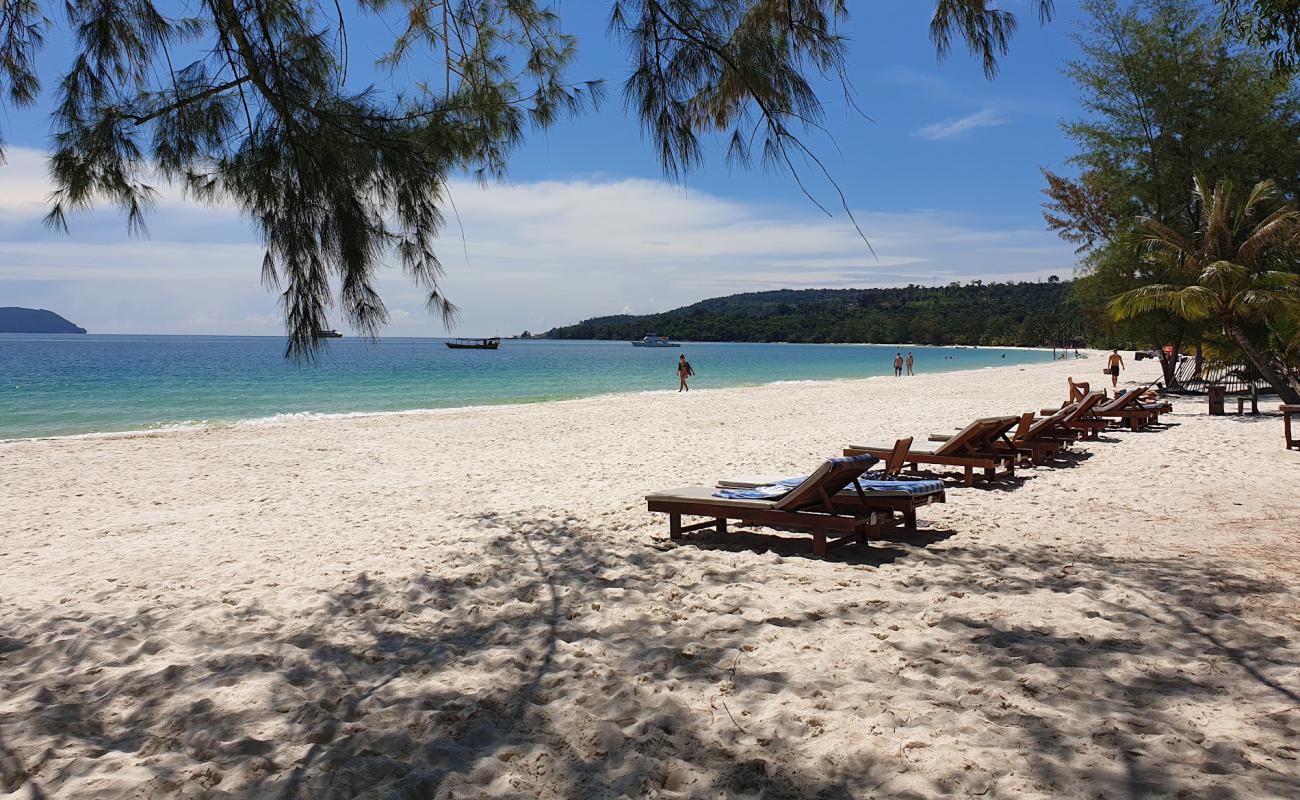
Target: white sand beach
[[475, 603]]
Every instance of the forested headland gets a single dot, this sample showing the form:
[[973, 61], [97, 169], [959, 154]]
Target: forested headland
[[975, 313]]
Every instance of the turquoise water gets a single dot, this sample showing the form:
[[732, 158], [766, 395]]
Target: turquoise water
[[52, 385]]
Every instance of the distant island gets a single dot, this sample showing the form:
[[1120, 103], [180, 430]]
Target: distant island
[[1024, 314], [34, 320]]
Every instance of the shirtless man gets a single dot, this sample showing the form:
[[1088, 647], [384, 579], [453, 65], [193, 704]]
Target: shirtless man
[[910, 362], [898, 365], [1113, 365]]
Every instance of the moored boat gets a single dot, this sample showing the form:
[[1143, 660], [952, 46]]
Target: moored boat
[[490, 343], [654, 340], [329, 334]]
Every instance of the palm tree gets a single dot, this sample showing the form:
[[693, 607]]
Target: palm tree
[[1233, 271]]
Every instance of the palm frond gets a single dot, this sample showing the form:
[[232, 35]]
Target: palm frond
[[1278, 228], [1158, 235], [1187, 302], [1221, 272], [1256, 303], [1263, 192]]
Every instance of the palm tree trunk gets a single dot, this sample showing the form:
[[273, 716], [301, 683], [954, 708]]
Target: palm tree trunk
[[1169, 363], [1284, 390]]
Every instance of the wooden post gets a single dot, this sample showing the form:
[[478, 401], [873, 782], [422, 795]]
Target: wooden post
[[1287, 412], [819, 543], [1214, 396], [674, 526]]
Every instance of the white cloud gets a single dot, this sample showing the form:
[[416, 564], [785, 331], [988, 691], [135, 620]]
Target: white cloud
[[948, 128], [539, 255]]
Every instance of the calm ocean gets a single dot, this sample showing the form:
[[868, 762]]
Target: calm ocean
[[53, 385]]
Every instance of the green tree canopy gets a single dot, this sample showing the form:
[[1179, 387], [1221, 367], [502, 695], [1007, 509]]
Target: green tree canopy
[[1236, 270], [1166, 93]]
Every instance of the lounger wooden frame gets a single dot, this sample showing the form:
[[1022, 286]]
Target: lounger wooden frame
[[1124, 410], [902, 504], [1034, 441], [834, 509], [972, 449], [840, 525], [1080, 422]]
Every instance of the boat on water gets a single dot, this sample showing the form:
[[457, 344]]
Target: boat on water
[[329, 334], [654, 340], [490, 343]]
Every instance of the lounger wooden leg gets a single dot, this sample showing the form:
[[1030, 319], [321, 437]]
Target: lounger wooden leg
[[819, 543], [991, 472], [970, 476], [722, 524], [674, 526], [909, 518]]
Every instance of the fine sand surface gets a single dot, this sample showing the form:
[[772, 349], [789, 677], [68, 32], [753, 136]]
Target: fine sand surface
[[476, 604]]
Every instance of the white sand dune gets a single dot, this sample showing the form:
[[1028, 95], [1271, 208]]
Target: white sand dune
[[476, 604]]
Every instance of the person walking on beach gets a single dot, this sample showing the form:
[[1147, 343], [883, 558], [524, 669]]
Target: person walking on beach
[[910, 362], [1113, 365], [898, 364], [684, 371]]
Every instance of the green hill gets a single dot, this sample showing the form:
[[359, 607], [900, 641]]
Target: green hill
[[1021, 314]]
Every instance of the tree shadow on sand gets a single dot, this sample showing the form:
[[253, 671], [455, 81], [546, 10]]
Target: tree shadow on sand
[[557, 667]]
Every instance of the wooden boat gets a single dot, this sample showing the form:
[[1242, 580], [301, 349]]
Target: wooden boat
[[491, 343]]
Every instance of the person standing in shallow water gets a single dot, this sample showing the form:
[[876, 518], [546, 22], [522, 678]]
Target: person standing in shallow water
[[684, 371], [898, 364], [910, 362]]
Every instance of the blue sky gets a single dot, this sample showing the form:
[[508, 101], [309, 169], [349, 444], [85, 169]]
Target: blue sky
[[944, 179]]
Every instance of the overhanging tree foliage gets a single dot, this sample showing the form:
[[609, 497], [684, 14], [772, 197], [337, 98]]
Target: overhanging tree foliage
[[250, 101]]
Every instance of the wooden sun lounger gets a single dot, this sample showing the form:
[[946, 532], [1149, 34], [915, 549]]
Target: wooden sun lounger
[[1080, 423], [1126, 408], [1032, 439], [816, 505], [904, 504], [971, 448]]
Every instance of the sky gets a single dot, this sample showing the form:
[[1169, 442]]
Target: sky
[[943, 178]]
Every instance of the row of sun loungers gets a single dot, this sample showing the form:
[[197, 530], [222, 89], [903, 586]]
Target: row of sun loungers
[[844, 501]]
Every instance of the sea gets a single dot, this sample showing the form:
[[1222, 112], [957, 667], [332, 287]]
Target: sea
[[62, 385]]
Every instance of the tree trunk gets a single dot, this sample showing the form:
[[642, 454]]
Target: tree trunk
[[1200, 357], [1284, 390], [1169, 364]]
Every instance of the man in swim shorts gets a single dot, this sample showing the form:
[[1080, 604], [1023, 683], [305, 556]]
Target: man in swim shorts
[[1113, 365]]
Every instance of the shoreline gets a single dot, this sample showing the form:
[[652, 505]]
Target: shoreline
[[299, 417]]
